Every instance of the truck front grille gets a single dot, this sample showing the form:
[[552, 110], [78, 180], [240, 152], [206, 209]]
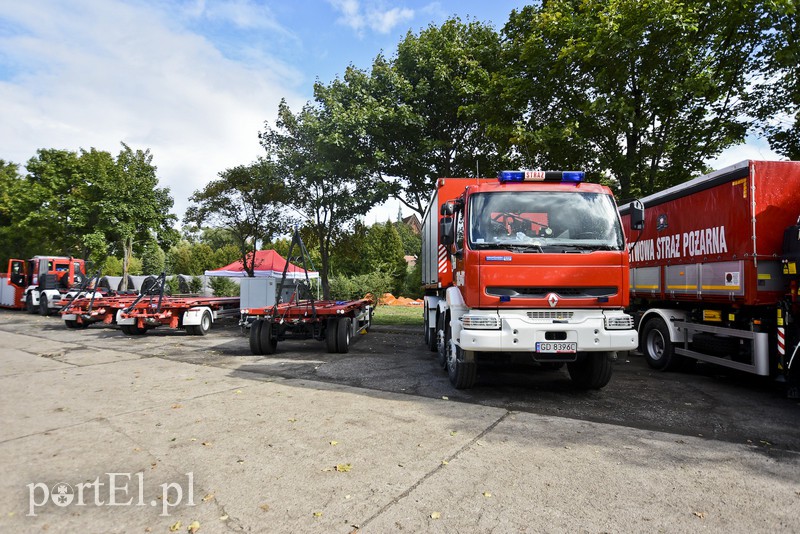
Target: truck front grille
[[550, 315], [561, 292]]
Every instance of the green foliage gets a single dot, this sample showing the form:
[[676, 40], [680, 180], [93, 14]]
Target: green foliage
[[383, 251], [247, 202], [356, 287], [153, 258], [225, 255], [412, 284], [194, 259], [195, 285], [112, 266], [135, 266], [174, 285], [643, 91], [412, 242], [223, 286]]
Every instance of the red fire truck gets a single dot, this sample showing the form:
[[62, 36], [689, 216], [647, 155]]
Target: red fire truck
[[714, 270], [531, 265], [42, 283]]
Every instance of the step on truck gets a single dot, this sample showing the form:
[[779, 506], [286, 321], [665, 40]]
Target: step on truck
[[530, 266], [42, 284], [714, 271]]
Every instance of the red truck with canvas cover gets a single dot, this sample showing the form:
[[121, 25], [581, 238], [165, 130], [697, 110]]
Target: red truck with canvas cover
[[531, 265], [714, 270]]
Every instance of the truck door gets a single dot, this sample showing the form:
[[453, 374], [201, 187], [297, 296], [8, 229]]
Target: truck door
[[16, 273]]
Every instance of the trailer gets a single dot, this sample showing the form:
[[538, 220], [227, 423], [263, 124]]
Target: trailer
[[335, 322], [86, 310], [714, 271], [194, 314]]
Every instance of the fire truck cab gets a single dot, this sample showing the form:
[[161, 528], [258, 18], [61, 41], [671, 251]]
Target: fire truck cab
[[48, 280]]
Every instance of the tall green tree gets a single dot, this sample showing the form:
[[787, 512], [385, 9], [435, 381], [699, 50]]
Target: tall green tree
[[638, 91], [247, 201], [323, 164], [383, 251], [777, 98], [432, 105]]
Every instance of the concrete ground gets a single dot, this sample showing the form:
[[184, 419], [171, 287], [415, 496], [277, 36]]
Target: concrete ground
[[254, 451]]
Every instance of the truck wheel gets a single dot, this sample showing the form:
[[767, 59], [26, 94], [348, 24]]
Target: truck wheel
[[343, 335], [442, 339], [255, 337], [71, 323], [330, 335], [43, 306], [430, 333], [657, 347], [461, 367], [592, 370], [267, 338], [29, 307]]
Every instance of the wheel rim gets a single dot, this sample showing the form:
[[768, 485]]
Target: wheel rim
[[452, 360], [206, 322], [655, 344]]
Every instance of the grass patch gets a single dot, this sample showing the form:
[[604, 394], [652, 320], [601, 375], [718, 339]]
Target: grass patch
[[398, 315]]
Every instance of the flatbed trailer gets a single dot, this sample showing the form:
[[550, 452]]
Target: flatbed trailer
[[88, 309], [193, 314], [335, 322]]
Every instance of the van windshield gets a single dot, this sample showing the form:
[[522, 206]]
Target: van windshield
[[544, 221]]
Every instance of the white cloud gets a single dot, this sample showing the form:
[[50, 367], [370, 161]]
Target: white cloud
[[373, 15], [94, 73]]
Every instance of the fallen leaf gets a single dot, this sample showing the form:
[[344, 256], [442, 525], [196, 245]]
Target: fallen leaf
[[238, 391], [208, 497], [175, 527], [193, 527], [445, 398], [767, 443], [347, 497], [192, 439], [264, 507], [487, 494], [334, 443], [317, 514], [343, 468], [292, 420], [206, 444], [223, 517], [701, 515], [148, 529], [176, 406], [445, 462], [453, 433], [239, 461], [435, 515]]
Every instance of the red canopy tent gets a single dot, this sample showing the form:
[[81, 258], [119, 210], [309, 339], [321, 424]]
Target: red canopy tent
[[268, 263]]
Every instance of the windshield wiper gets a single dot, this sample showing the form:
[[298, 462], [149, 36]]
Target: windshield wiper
[[586, 247]]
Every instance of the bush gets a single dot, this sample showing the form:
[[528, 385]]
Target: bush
[[222, 286], [356, 287], [195, 285]]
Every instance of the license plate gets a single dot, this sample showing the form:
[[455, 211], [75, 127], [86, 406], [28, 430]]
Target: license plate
[[556, 347]]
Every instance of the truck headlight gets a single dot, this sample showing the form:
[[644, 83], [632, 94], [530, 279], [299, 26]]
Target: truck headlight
[[480, 322], [618, 322]]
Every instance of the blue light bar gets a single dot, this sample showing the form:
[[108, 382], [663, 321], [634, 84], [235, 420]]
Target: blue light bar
[[540, 176]]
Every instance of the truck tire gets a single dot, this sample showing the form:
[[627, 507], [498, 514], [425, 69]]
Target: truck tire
[[255, 337], [267, 338], [591, 370], [29, 307], [74, 324], [331, 334], [657, 346], [442, 339], [430, 332], [343, 335], [44, 308], [461, 367]]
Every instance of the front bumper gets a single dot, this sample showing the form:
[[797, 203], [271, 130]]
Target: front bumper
[[520, 333]]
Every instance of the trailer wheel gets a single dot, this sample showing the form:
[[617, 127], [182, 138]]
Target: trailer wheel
[[268, 340], [343, 335], [255, 336], [205, 324], [442, 339], [657, 346], [331, 332], [462, 370], [29, 307], [132, 330], [43, 306], [591, 370], [71, 323]]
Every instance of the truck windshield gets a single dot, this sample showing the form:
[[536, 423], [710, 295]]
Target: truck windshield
[[544, 221]]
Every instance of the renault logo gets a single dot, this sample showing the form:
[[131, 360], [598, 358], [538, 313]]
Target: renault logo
[[552, 299]]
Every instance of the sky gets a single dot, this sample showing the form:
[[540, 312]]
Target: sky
[[195, 81]]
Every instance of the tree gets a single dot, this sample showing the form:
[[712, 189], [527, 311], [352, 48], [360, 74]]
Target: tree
[[383, 251], [777, 99], [322, 162], [247, 201], [431, 108], [638, 91]]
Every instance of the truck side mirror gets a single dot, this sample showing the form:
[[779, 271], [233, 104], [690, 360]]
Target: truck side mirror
[[447, 234], [637, 215], [447, 209]]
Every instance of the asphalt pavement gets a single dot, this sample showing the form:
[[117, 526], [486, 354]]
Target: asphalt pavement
[[100, 432]]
